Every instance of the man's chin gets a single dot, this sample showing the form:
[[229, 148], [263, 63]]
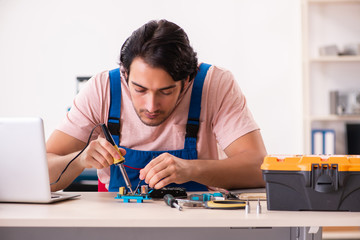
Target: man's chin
[[151, 122]]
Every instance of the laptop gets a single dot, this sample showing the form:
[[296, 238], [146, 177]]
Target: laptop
[[24, 174]]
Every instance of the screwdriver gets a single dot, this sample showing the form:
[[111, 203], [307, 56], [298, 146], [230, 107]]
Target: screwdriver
[[172, 202], [121, 160]]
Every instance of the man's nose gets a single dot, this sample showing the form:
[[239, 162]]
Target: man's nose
[[152, 103]]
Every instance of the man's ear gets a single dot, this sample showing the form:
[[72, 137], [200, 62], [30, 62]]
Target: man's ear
[[186, 82], [126, 76], [124, 73]]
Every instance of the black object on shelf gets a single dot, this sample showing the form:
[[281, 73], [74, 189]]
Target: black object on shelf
[[80, 81], [353, 138]]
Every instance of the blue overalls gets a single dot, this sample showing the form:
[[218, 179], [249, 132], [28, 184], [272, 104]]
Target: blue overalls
[[136, 159]]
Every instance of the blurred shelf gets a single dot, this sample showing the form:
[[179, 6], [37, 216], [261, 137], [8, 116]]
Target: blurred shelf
[[335, 118], [336, 59], [334, 1]]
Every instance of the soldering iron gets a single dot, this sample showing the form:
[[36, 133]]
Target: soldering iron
[[121, 160]]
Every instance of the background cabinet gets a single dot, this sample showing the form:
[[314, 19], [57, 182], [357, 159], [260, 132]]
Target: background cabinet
[[325, 23]]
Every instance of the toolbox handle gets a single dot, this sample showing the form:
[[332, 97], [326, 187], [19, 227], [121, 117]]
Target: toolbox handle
[[324, 184], [325, 178]]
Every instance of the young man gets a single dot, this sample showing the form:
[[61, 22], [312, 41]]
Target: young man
[[167, 113]]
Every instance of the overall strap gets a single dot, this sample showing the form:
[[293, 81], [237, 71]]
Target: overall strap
[[193, 123], [115, 104]]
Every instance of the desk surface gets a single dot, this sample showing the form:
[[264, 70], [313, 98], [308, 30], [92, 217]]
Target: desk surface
[[95, 209]]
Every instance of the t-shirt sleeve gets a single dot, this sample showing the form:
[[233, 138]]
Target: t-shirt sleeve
[[87, 110], [231, 117]]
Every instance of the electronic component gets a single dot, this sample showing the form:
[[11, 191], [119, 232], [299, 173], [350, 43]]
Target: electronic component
[[144, 189], [135, 195], [174, 191]]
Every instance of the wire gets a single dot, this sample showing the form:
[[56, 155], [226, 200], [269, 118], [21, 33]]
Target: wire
[[92, 131], [137, 186]]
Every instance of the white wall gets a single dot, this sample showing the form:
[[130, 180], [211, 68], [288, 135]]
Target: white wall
[[45, 44]]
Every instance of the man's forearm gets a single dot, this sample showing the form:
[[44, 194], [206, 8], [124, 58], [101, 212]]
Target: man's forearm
[[240, 170], [230, 173], [57, 164], [242, 167]]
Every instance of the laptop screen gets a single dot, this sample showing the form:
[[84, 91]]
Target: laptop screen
[[24, 175]]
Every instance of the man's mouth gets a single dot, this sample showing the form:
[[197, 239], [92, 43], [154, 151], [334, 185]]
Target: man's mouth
[[152, 118], [151, 115]]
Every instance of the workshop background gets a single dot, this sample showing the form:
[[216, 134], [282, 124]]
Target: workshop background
[[45, 45]]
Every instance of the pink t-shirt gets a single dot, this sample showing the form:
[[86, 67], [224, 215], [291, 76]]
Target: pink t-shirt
[[224, 117]]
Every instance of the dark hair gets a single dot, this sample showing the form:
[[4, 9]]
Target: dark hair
[[161, 44]]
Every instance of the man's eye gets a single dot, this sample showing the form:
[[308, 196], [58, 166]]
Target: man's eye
[[139, 90], [167, 92]]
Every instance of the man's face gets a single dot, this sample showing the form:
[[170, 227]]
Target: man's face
[[153, 92]]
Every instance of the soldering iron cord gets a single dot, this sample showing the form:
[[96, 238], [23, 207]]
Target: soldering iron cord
[[67, 165]]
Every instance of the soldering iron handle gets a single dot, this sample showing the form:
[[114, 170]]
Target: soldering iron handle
[[112, 142], [107, 134]]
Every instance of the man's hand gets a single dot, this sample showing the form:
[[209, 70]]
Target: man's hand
[[166, 169], [61, 148], [99, 154], [241, 168]]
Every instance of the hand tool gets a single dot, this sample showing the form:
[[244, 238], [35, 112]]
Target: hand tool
[[225, 204], [190, 203], [247, 207], [206, 197], [213, 204], [121, 160], [258, 207], [228, 195], [172, 202], [252, 196]]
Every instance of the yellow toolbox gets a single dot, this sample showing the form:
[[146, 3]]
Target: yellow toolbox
[[312, 182]]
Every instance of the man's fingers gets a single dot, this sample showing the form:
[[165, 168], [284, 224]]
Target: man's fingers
[[156, 177], [104, 157], [122, 151], [95, 164], [110, 148], [100, 154], [162, 173], [164, 182], [145, 171]]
